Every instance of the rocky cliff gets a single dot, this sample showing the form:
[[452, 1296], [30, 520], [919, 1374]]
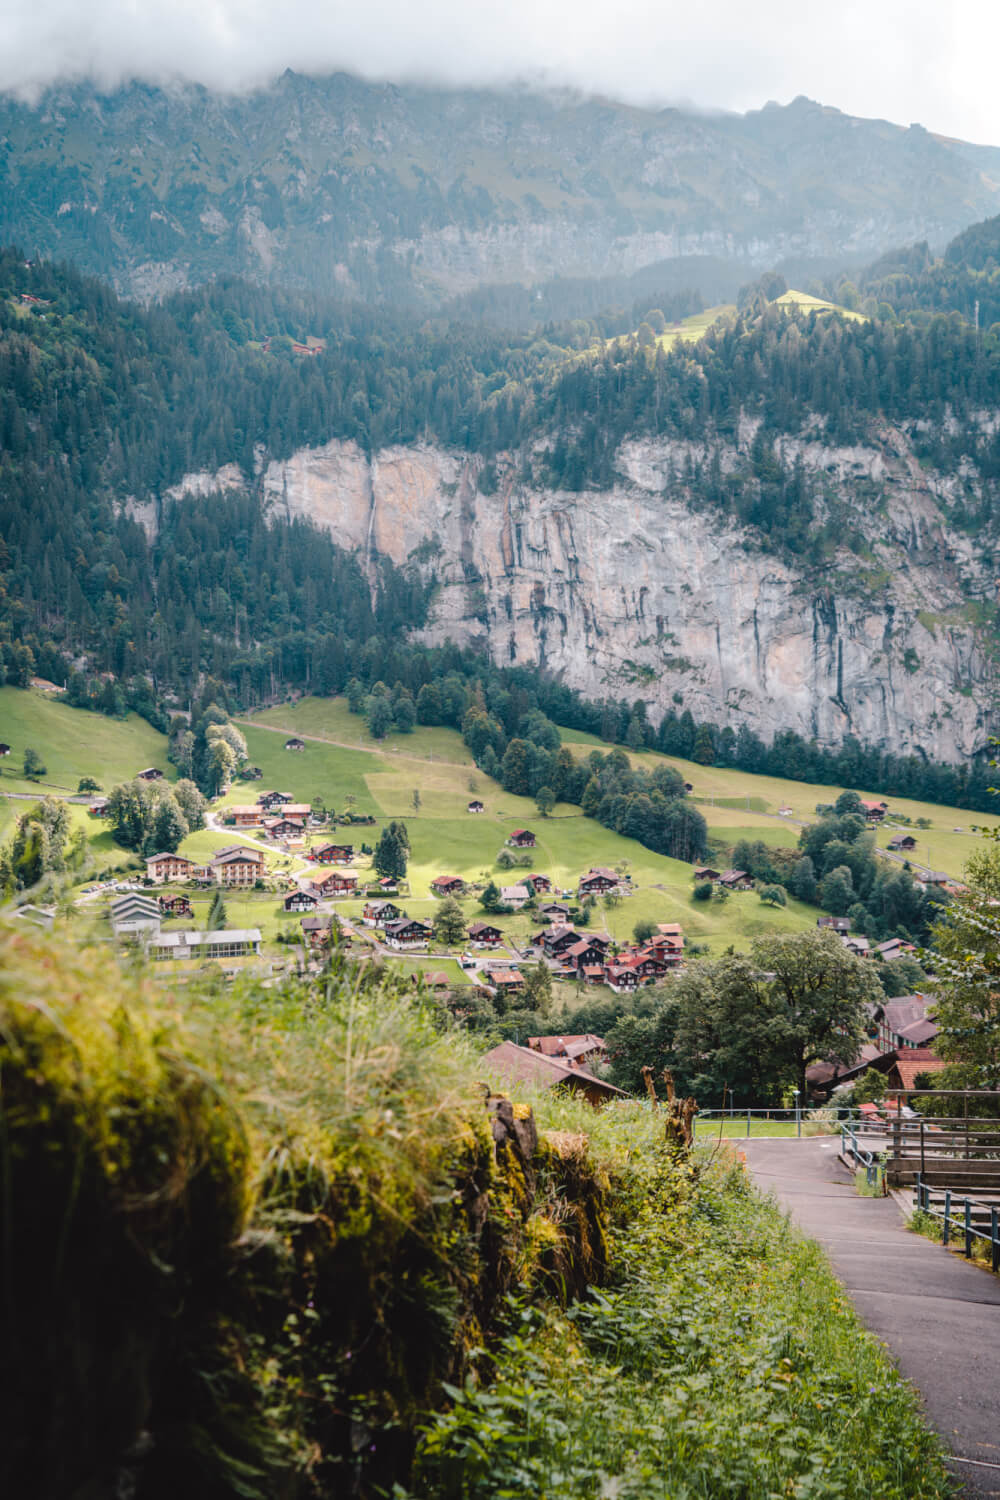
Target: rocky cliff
[[631, 592]]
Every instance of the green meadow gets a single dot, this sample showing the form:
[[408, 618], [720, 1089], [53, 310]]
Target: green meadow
[[427, 779], [73, 743]]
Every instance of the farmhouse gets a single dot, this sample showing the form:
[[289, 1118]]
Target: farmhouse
[[475, 806], [448, 885], [515, 895], [522, 838], [555, 911], [175, 906], [332, 854], [295, 743], [300, 901], [597, 881], [149, 774], [233, 942], [4, 749], [735, 880], [163, 867], [483, 935], [580, 1050], [407, 933], [874, 811], [705, 872], [903, 1023], [377, 913], [252, 773], [540, 884], [98, 807], [236, 866], [526, 1065], [903, 841]]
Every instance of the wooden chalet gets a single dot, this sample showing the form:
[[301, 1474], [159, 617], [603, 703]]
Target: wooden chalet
[[735, 880], [874, 811], [300, 901], [484, 935], [332, 854], [336, 883], [295, 743], [175, 906], [705, 872], [598, 881], [407, 932], [252, 773], [149, 774], [284, 828], [903, 841], [621, 977], [448, 885], [4, 749], [540, 884], [522, 838], [475, 806], [377, 913], [98, 807], [515, 896], [160, 868], [268, 800], [557, 941], [555, 911], [585, 953]]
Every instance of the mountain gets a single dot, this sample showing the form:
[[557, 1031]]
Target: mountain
[[791, 523], [420, 194]]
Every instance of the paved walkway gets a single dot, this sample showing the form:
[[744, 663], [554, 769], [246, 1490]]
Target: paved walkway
[[938, 1315]]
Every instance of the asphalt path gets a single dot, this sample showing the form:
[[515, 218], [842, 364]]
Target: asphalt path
[[938, 1315]]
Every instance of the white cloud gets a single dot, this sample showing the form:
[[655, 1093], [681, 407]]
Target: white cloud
[[905, 60]]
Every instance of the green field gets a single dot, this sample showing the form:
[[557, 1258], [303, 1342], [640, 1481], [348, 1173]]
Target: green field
[[340, 761], [73, 743], [806, 303]]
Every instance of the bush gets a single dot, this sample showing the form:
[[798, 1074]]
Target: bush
[[703, 891]]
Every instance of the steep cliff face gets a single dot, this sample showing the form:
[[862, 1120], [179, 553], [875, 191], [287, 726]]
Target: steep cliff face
[[630, 593]]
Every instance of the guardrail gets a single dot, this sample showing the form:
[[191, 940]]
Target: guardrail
[[741, 1122], [851, 1149], [965, 1217]]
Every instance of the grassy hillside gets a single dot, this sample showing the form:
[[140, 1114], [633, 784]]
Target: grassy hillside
[[73, 743], [341, 761]]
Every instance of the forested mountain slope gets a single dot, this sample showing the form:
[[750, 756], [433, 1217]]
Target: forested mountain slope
[[419, 193], [790, 523]]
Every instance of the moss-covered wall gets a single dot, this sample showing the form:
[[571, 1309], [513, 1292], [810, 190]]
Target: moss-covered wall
[[247, 1234]]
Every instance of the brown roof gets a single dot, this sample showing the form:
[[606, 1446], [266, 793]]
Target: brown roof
[[534, 1067], [920, 1060]]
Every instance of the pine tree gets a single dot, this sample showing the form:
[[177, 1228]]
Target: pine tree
[[449, 922], [216, 912]]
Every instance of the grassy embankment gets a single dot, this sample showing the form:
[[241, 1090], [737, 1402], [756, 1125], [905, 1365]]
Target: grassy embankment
[[268, 1231]]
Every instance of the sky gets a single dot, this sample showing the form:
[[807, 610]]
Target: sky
[[903, 60]]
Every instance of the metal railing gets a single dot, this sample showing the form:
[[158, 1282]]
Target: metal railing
[[709, 1120], [851, 1149], [941, 1139], [961, 1213]]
